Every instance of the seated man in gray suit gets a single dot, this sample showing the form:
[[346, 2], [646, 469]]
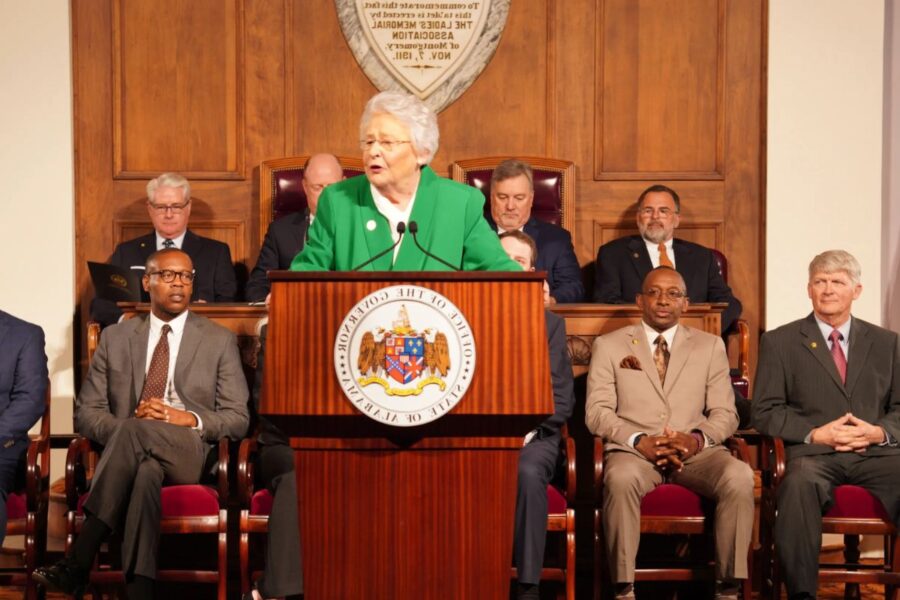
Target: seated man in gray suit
[[829, 386], [660, 397], [540, 452], [161, 389]]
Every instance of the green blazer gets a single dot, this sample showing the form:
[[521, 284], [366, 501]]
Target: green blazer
[[451, 225]]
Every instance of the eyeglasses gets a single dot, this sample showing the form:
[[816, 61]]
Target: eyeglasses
[[176, 209], [386, 145], [662, 212], [656, 293], [169, 276]]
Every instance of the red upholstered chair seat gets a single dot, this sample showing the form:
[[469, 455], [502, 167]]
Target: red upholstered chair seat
[[16, 506], [556, 501], [181, 501], [855, 502], [671, 500], [261, 503]]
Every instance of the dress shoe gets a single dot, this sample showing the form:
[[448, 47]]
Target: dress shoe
[[527, 591], [625, 591], [64, 576]]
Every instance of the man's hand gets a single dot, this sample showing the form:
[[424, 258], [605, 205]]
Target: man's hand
[[657, 449], [848, 433], [156, 409], [686, 444]]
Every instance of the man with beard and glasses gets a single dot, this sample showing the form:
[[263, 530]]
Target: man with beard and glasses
[[623, 264]]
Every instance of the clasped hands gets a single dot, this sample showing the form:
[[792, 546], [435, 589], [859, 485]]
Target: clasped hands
[[848, 433], [669, 450], [156, 409]]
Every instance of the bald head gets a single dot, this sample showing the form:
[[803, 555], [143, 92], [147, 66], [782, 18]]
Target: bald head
[[321, 170]]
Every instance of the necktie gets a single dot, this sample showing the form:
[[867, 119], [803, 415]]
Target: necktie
[[664, 260], [837, 353], [158, 373], [661, 358], [168, 244]]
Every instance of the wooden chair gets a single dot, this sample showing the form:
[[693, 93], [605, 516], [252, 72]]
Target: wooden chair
[[554, 185], [669, 509], [855, 512], [281, 186], [26, 508], [740, 376]]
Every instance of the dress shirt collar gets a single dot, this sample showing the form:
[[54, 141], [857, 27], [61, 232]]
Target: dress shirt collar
[[177, 325], [652, 334], [826, 330], [653, 251], [160, 240], [393, 214]]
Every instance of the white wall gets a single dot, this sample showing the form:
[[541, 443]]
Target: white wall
[[824, 164], [36, 168]]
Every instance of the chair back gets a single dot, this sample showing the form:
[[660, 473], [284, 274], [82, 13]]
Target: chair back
[[721, 262], [554, 185], [281, 186]]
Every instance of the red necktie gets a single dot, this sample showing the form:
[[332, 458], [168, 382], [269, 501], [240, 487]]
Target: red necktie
[[158, 373], [837, 353]]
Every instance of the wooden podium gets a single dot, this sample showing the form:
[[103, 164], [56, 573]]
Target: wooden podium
[[407, 512]]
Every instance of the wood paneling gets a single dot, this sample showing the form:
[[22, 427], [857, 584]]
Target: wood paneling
[[635, 92], [177, 88]]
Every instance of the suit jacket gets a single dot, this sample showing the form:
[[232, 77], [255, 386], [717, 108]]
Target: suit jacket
[[284, 240], [556, 256], [215, 280], [697, 393], [622, 265], [797, 386], [560, 375], [23, 377], [208, 378], [451, 226]]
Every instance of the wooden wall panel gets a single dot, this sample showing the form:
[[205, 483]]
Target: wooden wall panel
[[177, 88], [635, 92]]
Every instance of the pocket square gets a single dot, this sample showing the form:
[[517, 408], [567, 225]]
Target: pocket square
[[630, 362]]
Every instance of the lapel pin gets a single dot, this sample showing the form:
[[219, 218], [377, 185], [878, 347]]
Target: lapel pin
[[636, 255], [370, 225], [634, 342], [813, 345]]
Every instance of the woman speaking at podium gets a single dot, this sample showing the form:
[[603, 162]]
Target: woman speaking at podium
[[400, 216]]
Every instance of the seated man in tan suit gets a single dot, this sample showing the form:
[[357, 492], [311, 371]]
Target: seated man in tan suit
[[660, 397]]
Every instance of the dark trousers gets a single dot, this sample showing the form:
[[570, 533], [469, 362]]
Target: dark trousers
[[9, 464], [807, 493], [537, 462], [140, 456], [283, 575]]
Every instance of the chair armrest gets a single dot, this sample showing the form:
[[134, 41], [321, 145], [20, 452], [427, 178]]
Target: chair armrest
[[772, 461], [93, 338], [37, 471], [739, 448], [571, 470], [79, 460], [222, 472], [245, 470], [598, 470], [742, 330]]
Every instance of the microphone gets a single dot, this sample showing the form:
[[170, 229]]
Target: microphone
[[401, 229], [414, 229]]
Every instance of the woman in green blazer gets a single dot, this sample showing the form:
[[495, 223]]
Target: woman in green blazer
[[358, 217]]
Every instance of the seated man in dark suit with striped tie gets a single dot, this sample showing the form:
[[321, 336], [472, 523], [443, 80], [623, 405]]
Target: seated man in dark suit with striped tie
[[286, 236], [169, 207], [192, 394]]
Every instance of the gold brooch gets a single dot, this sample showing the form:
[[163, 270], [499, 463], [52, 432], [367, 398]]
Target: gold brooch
[[813, 345]]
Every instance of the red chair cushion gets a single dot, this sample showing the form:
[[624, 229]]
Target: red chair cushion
[[261, 503], [855, 502], [181, 501], [16, 506], [671, 500], [556, 502]]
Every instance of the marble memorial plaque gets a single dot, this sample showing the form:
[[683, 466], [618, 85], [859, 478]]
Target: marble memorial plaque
[[431, 48]]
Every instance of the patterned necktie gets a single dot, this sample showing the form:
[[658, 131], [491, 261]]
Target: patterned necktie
[[837, 353], [168, 244], [664, 260], [158, 373], [661, 358]]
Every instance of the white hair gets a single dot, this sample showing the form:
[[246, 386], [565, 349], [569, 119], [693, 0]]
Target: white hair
[[832, 261], [412, 112], [175, 180]]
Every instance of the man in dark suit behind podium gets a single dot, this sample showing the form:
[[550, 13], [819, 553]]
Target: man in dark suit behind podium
[[623, 264], [829, 386], [540, 452], [169, 207], [161, 389], [512, 195], [286, 236]]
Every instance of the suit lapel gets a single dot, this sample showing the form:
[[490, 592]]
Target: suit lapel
[[640, 259], [410, 258], [682, 346], [638, 345], [138, 347], [816, 345], [379, 238], [190, 342], [860, 344]]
